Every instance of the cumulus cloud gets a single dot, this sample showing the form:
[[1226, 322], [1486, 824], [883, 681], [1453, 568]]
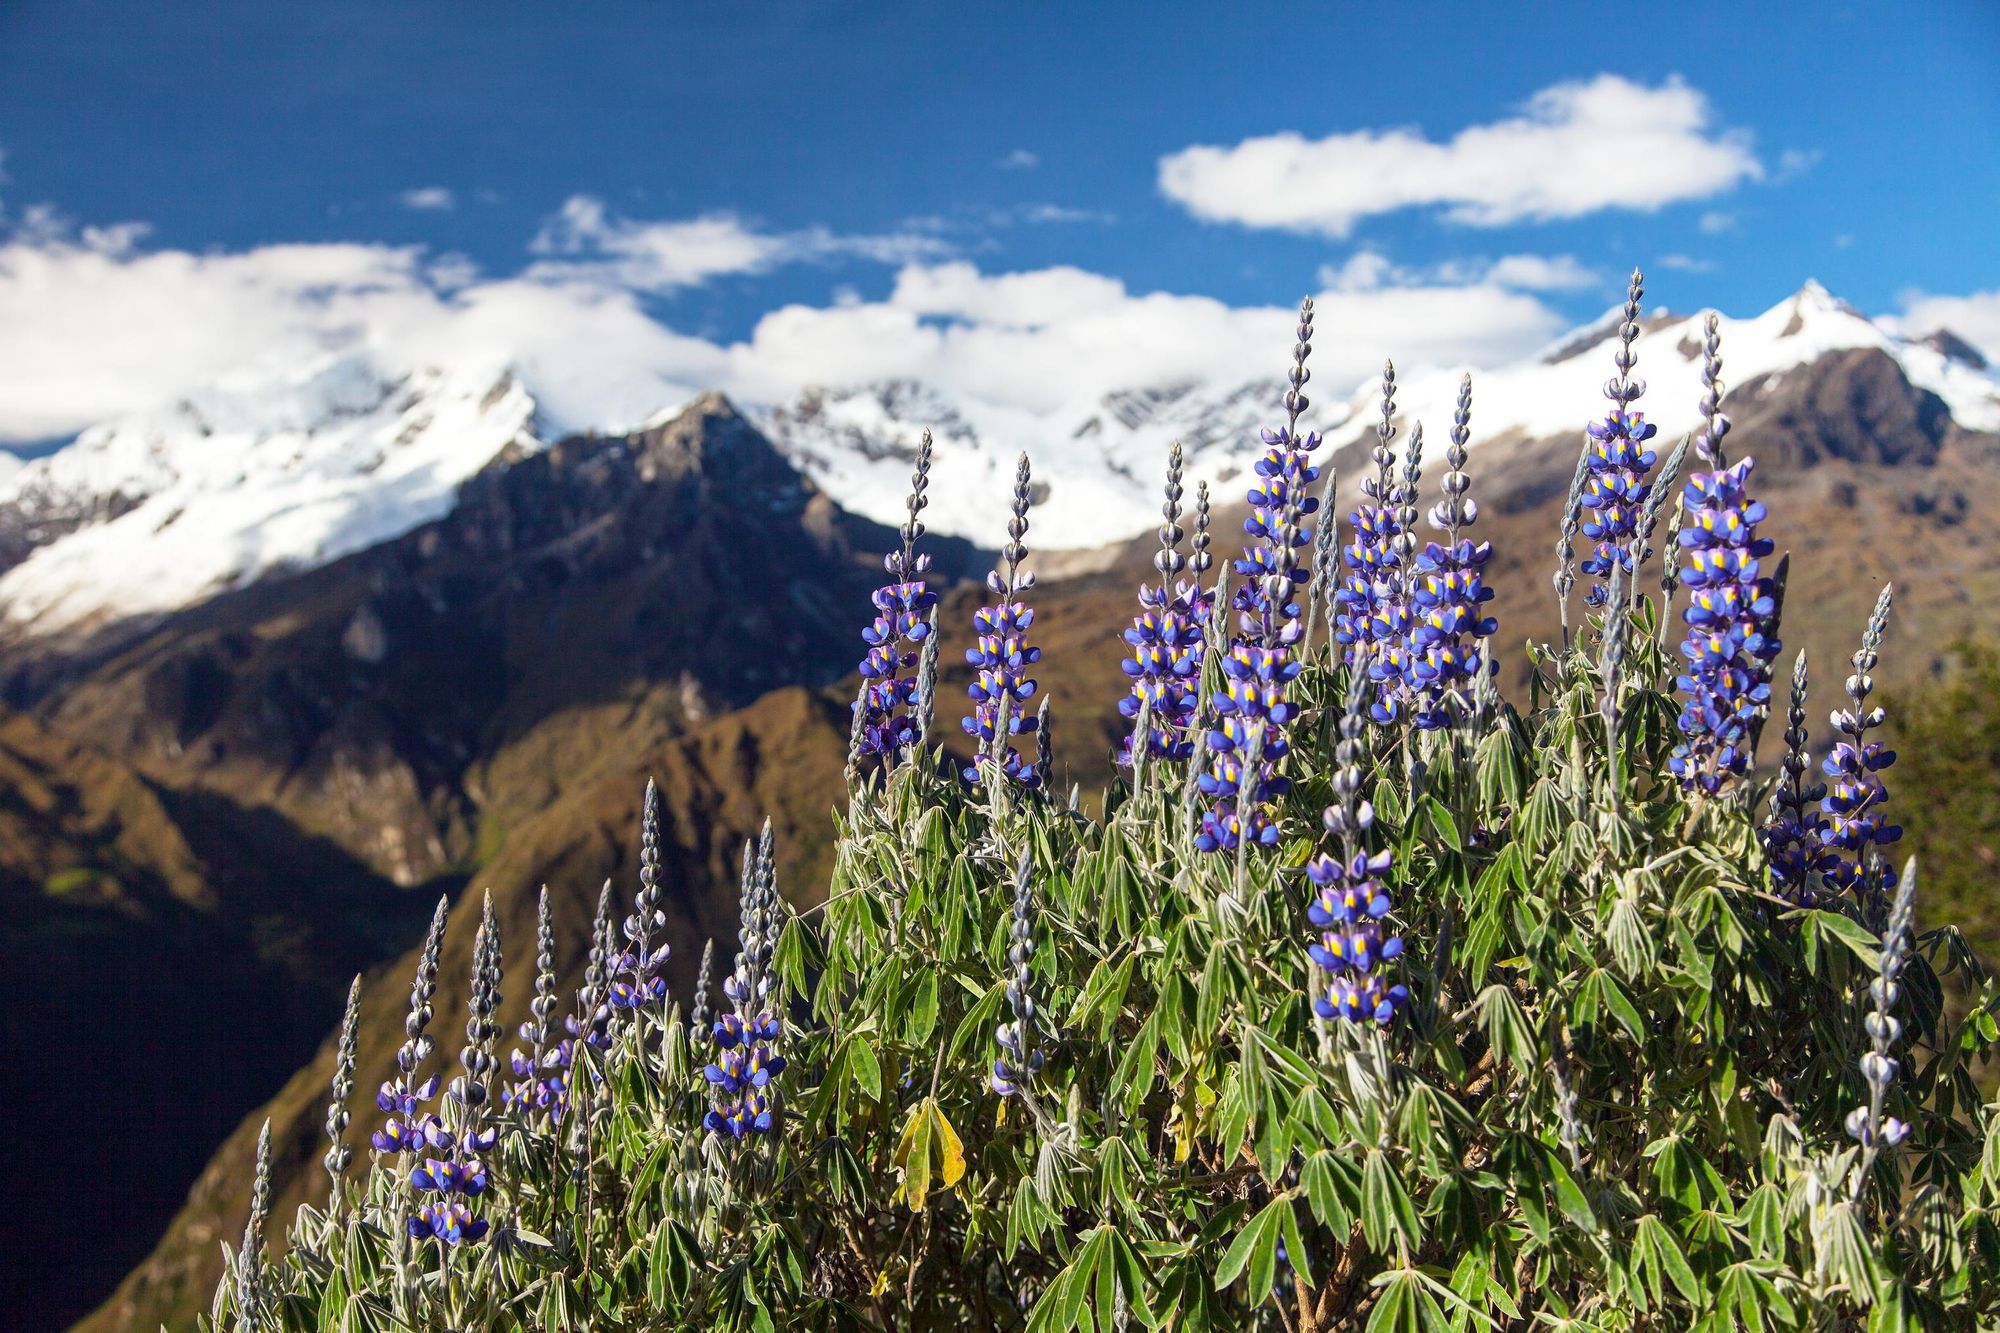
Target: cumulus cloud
[[1974, 317], [1569, 153], [95, 323], [429, 199]]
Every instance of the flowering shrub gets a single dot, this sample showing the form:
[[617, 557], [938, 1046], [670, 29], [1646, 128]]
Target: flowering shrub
[[1488, 1018]]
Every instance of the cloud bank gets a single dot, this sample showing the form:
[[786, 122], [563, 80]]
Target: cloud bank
[[95, 323], [1576, 148]]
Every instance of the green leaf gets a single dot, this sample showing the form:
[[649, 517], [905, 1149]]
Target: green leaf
[[1255, 1249], [1388, 1217], [867, 1070]]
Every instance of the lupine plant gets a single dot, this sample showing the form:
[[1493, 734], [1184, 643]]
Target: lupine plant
[[1495, 1020]]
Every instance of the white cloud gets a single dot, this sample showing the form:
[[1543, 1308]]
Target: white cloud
[[1043, 340], [1366, 270], [429, 199], [95, 324], [1020, 160], [1543, 273], [1716, 223], [1687, 264], [1570, 153], [1974, 317], [586, 241]]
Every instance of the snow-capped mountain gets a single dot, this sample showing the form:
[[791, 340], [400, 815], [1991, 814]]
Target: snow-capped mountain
[[1099, 464], [162, 509]]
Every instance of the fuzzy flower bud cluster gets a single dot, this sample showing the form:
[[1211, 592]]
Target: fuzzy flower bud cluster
[[1020, 1057]]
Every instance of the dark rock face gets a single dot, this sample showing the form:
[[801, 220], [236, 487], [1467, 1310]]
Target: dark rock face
[[1856, 406]]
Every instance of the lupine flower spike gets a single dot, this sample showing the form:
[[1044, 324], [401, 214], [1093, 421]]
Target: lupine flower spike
[[402, 1097], [1045, 750], [1349, 903], [541, 1073], [1325, 576], [1565, 576], [1450, 592], [1020, 1057], [699, 1015], [1241, 777], [1867, 1125], [746, 1036], [1798, 856], [639, 971], [250, 1258], [338, 1154], [887, 717], [1373, 620], [1730, 640], [1854, 827], [1001, 655], [1617, 463], [457, 1175], [1166, 639]]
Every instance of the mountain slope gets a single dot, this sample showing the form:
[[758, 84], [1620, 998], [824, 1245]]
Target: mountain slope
[[781, 757], [604, 585], [165, 960]]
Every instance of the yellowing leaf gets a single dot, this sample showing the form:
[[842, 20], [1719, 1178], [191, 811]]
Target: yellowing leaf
[[951, 1152], [929, 1151], [913, 1156], [880, 1285]]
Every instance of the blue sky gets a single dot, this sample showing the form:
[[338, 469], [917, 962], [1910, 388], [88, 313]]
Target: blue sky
[[681, 172]]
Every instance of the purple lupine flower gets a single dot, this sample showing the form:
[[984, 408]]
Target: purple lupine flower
[[1020, 1057], [1793, 846], [639, 969], [746, 1060], [1616, 462], [1349, 903], [1251, 712], [1730, 640], [1447, 591], [1853, 803], [885, 721], [403, 1097], [1166, 640], [1373, 622], [449, 1184], [1001, 655]]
